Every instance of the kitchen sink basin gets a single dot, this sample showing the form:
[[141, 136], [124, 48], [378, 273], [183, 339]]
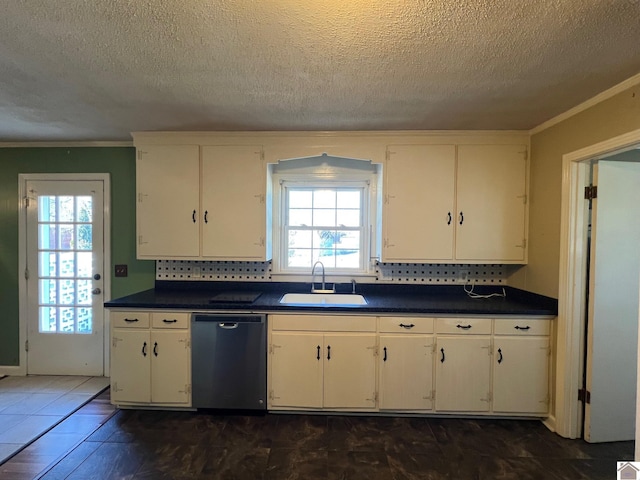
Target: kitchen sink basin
[[323, 299]]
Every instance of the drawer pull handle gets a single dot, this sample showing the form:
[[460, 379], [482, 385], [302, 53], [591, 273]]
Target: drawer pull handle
[[461, 218], [500, 357], [328, 352], [206, 216], [384, 359], [130, 320], [518, 327], [193, 216], [318, 357], [169, 321], [463, 327], [144, 349], [411, 325], [155, 348], [449, 218], [442, 352]]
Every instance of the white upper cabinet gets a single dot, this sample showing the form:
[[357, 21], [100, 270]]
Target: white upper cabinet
[[460, 204], [168, 201], [491, 203], [419, 203], [206, 202], [234, 203]]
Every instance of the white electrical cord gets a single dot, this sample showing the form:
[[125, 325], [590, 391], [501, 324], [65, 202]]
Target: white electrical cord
[[471, 293]]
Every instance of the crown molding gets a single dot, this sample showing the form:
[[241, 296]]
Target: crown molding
[[128, 143], [601, 97]]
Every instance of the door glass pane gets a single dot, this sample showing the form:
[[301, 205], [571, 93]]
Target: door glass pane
[[65, 264]]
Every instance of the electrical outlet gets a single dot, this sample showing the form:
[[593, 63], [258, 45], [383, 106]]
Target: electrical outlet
[[121, 271], [463, 276]]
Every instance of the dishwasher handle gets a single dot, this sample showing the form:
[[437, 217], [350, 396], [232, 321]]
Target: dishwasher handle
[[228, 325]]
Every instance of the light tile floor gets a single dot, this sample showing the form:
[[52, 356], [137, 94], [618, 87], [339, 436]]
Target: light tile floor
[[32, 405]]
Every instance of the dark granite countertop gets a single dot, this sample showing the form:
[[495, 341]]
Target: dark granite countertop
[[381, 298]]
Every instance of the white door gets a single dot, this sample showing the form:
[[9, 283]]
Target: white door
[[65, 247], [521, 374], [418, 215], [296, 370], [234, 203], [168, 201], [463, 374], [349, 371], [406, 372], [613, 306], [491, 202]]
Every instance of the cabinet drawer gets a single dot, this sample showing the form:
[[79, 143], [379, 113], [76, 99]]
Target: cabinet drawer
[[169, 320], [322, 323], [406, 325], [464, 326], [522, 327], [130, 319]]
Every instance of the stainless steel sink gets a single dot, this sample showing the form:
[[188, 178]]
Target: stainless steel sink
[[322, 299]]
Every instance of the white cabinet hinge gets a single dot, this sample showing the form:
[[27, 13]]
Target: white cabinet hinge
[[26, 345], [374, 350], [374, 398], [525, 153], [26, 202], [487, 399], [114, 387], [140, 242], [26, 274], [523, 245], [272, 395]]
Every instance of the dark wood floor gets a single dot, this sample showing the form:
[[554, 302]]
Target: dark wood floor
[[135, 444]]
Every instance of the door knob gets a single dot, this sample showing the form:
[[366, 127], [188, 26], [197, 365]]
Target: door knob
[[96, 276], [96, 291]]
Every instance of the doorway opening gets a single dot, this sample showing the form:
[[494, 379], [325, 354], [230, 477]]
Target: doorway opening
[[573, 304]]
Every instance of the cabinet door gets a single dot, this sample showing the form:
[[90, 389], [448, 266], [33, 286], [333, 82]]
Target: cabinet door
[[167, 186], [521, 374], [406, 372], [463, 369], [130, 366], [170, 360], [418, 210], [349, 371], [491, 203], [296, 369], [234, 203]]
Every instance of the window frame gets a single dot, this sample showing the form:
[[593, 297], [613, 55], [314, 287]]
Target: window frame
[[312, 178], [283, 247]]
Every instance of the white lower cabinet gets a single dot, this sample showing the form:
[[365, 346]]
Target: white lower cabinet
[[150, 358], [521, 367], [405, 363], [463, 378], [332, 370]]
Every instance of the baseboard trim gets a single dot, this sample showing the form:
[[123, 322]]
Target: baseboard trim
[[16, 371]]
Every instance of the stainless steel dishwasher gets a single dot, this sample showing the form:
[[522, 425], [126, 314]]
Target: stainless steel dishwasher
[[229, 361]]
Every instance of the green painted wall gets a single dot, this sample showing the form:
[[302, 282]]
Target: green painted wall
[[120, 164]]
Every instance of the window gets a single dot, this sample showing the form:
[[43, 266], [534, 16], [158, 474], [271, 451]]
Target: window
[[326, 209], [324, 224]]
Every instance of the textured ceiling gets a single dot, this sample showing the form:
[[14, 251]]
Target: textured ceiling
[[99, 69]]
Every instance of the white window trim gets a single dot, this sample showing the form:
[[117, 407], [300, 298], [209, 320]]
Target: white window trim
[[369, 212]]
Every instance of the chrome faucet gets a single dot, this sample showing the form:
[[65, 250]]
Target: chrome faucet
[[353, 286], [313, 280]]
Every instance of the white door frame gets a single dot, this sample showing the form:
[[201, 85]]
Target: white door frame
[[21, 369], [572, 285]]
